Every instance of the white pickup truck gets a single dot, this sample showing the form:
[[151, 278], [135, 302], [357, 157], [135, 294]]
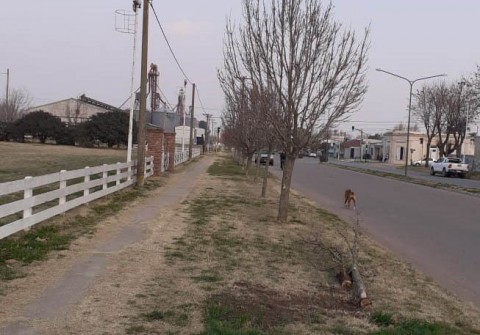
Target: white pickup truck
[[448, 166]]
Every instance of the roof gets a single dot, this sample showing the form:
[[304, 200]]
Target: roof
[[352, 144]]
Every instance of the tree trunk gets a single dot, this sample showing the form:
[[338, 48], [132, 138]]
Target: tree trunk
[[265, 174], [360, 295], [249, 164], [257, 168], [285, 191], [427, 154]]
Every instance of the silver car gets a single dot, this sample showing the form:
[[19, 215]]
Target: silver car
[[422, 162]]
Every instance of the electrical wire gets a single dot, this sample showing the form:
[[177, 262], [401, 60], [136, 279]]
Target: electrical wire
[[165, 97], [129, 97], [168, 43], [175, 57], [199, 99]]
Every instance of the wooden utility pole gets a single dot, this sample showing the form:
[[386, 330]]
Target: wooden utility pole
[[207, 132], [143, 99], [190, 147]]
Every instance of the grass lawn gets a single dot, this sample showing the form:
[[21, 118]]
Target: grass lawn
[[237, 271], [234, 269], [18, 160]]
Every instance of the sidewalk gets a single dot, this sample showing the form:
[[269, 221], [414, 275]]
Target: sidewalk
[[59, 295]]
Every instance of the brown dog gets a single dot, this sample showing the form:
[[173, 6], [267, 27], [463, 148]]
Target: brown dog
[[350, 197]]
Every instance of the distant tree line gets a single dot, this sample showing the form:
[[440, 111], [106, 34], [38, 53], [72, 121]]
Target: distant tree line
[[110, 128]]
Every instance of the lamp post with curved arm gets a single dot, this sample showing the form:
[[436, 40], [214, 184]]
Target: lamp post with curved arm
[[411, 82], [8, 81]]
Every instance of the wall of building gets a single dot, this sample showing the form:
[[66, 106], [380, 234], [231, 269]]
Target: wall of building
[[70, 111], [396, 145], [476, 160]]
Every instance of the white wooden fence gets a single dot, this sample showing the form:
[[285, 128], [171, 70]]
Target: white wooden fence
[[182, 156], [29, 201]]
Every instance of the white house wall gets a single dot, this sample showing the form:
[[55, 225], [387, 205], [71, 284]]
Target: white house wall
[[394, 143], [66, 110]]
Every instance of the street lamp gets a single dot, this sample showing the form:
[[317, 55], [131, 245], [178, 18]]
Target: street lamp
[[126, 27], [462, 84], [411, 82], [8, 81]]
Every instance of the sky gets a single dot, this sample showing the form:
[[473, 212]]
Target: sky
[[58, 49]]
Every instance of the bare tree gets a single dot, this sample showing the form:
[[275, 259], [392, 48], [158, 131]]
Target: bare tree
[[18, 102], [264, 101], [427, 111], [242, 123], [344, 254], [239, 123], [296, 49], [453, 103]]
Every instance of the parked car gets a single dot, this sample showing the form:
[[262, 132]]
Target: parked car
[[449, 166], [264, 159], [312, 154], [422, 162]]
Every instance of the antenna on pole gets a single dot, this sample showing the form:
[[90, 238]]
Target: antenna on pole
[[127, 23]]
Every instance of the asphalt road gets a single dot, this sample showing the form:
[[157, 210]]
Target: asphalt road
[[436, 230], [412, 171]]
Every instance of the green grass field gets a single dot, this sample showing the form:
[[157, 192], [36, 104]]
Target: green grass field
[[18, 160]]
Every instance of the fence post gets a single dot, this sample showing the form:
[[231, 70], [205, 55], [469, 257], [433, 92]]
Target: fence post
[[148, 166], [129, 170], [162, 165], [27, 193], [86, 180], [118, 173], [63, 185], [104, 177]]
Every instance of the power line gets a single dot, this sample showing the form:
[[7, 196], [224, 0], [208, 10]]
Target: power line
[[175, 57], [168, 43], [166, 100], [129, 97], [200, 100]]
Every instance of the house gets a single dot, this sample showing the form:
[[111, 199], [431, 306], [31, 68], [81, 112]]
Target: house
[[476, 162], [182, 135], [394, 147], [351, 149], [366, 148], [74, 111]]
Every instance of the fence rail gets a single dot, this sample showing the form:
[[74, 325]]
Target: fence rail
[[182, 156], [26, 202]]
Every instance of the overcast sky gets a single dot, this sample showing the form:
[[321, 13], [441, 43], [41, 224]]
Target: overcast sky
[[57, 49]]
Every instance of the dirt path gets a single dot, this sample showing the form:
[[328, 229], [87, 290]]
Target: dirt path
[[87, 289]]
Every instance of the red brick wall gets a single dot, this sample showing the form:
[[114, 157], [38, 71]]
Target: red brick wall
[[155, 148]]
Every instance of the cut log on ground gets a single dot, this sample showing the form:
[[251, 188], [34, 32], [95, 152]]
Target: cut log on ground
[[360, 295]]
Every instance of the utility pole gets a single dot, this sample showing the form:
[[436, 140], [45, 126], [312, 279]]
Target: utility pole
[[136, 6], [143, 99], [123, 25], [361, 142], [190, 147], [207, 132]]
